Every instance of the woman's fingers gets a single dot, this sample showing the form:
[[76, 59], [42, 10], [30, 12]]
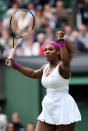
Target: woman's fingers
[[10, 62], [59, 34]]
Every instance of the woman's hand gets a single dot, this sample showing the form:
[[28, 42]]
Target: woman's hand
[[59, 34], [10, 62]]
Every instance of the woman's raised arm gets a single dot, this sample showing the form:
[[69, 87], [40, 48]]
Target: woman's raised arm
[[26, 71]]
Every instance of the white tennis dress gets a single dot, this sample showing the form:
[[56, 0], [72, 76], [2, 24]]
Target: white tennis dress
[[58, 105]]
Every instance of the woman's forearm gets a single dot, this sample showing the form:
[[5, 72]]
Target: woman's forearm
[[65, 57], [64, 54], [26, 71]]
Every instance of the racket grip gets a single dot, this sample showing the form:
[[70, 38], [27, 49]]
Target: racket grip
[[11, 53]]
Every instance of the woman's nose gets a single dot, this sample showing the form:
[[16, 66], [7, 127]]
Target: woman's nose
[[47, 52]]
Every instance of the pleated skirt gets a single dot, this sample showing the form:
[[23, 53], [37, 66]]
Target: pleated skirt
[[59, 108]]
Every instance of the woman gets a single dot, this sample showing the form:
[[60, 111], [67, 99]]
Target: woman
[[59, 108]]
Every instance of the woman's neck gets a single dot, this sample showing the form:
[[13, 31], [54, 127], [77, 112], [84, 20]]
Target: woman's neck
[[54, 63]]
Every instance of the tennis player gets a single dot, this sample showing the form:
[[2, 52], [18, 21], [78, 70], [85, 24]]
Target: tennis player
[[59, 110]]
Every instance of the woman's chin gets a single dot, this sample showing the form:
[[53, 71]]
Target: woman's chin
[[48, 59]]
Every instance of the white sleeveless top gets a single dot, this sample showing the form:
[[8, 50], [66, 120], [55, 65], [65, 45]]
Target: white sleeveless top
[[54, 80], [58, 106]]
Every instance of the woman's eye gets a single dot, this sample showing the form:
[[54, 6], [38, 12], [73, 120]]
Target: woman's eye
[[50, 49]]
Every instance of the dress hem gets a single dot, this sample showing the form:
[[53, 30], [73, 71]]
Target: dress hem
[[59, 123]]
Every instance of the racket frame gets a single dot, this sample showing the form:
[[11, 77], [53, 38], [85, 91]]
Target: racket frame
[[14, 35]]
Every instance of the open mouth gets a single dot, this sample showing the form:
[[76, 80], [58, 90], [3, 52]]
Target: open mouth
[[47, 57]]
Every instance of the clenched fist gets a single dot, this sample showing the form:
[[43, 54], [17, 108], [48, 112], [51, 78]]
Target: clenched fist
[[59, 34]]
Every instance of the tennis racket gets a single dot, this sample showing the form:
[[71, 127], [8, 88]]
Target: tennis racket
[[21, 25]]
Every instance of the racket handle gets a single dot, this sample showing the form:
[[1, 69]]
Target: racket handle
[[13, 49], [11, 55]]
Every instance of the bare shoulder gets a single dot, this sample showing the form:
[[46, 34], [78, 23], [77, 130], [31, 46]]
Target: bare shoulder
[[43, 67], [64, 70]]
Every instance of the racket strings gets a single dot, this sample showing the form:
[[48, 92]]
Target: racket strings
[[22, 23]]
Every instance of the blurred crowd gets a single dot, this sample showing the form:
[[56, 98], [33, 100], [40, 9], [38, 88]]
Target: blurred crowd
[[15, 124], [50, 16]]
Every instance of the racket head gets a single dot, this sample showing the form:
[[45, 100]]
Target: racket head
[[22, 23]]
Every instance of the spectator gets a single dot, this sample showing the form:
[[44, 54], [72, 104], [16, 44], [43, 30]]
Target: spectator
[[38, 15], [68, 32], [32, 35], [31, 7], [83, 35], [78, 44], [40, 44], [46, 10], [30, 127], [45, 21], [20, 3], [49, 32], [14, 5], [28, 48], [53, 18], [10, 12], [61, 14], [16, 121], [3, 120], [6, 21], [10, 127], [84, 11]]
